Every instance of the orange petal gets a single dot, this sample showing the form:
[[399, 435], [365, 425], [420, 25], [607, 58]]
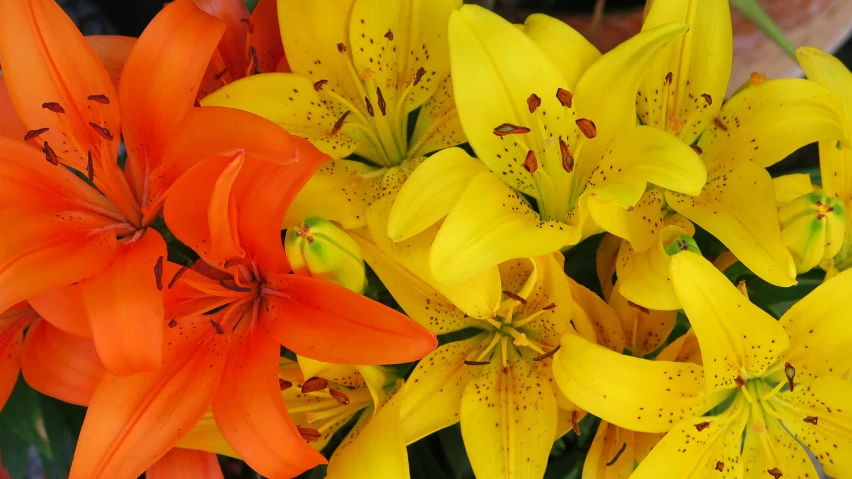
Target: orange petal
[[266, 38], [185, 463], [12, 324], [10, 125], [134, 420], [60, 365], [125, 307], [329, 323], [160, 81], [232, 46], [63, 308], [113, 51], [46, 59], [251, 415]]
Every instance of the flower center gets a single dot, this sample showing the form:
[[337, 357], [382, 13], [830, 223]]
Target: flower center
[[323, 403]]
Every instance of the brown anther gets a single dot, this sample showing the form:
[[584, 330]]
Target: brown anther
[[318, 85], [101, 131], [389, 35], [477, 363], [418, 75], [740, 381], [172, 323], [254, 62], [515, 297], [341, 48], [249, 24], [219, 75], [775, 472], [720, 125], [314, 384], [696, 149], [217, 327], [720, 466], [338, 396], [575, 422], [565, 97], [177, 276], [233, 261], [757, 78], [707, 98], [284, 384], [381, 101], [369, 106], [53, 106], [530, 162], [510, 129], [547, 354], [338, 125], [158, 273], [702, 426], [639, 307], [100, 98], [533, 102], [549, 307], [790, 372], [35, 133], [587, 127], [234, 287], [567, 156], [617, 454], [90, 166], [669, 78], [50, 154], [812, 419], [310, 435]]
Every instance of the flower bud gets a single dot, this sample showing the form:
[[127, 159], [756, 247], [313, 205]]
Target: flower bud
[[318, 248], [813, 227]]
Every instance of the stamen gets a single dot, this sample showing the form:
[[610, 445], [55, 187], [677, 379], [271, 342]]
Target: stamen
[[720, 466], [35, 133], [233, 261], [341, 48], [381, 101], [101, 131], [389, 35], [177, 276], [533, 102], [549, 307], [254, 63], [790, 372], [476, 363], [318, 85], [720, 125], [740, 381], [100, 98], [90, 167], [219, 75], [369, 106], [775, 472], [338, 396], [314, 384], [697, 149], [515, 297], [565, 97], [158, 272], [639, 307], [233, 287], [617, 454], [338, 125], [575, 422], [757, 78], [707, 98], [812, 419], [530, 162], [50, 154], [249, 24], [567, 157], [172, 323], [418, 75], [310, 435], [217, 327], [702, 426], [587, 127], [53, 106], [548, 354], [510, 129], [504, 346], [494, 339], [284, 384]]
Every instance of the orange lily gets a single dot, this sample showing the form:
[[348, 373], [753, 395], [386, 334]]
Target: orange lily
[[90, 254], [179, 463], [227, 324]]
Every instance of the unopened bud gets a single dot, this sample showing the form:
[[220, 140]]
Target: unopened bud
[[318, 248], [813, 227]]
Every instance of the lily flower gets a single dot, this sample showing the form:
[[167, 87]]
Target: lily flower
[[186, 463], [85, 257], [562, 134], [779, 385], [360, 68], [682, 94], [226, 329]]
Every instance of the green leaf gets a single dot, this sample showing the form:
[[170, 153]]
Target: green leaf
[[62, 423], [580, 263], [23, 417], [251, 4], [14, 453]]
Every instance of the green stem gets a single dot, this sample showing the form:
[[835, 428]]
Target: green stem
[[756, 13]]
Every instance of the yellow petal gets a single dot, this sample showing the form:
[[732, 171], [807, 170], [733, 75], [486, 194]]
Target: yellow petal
[[205, 436], [508, 420], [434, 390], [683, 349], [488, 225], [338, 373], [611, 455], [640, 224], [738, 339], [738, 207], [789, 187], [699, 63], [590, 309], [431, 191], [565, 47], [834, 166], [606, 93], [813, 227], [644, 277], [645, 329], [637, 394], [477, 297], [438, 125]]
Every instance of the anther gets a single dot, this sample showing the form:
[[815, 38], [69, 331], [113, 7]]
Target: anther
[[314, 384], [234, 287], [617, 454], [233, 261], [249, 24], [477, 363], [533, 102], [720, 125], [565, 97], [740, 381], [587, 127], [515, 297], [381, 101], [696, 149], [548, 354], [255, 64], [702, 426], [338, 396], [338, 125], [284, 384], [341, 48], [418, 75], [510, 129], [720, 466], [530, 162], [389, 35], [53, 106], [50, 154], [177, 276], [369, 106], [101, 131], [219, 75], [310, 435], [158, 273], [707, 98], [639, 307], [99, 98], [172, 323], [575, 422], [90, 166], [669, 78], [217, 327], [318, 85], [775, 472], [549, 307], [790, 372], [35, 133], [812, 419], [567, 157]]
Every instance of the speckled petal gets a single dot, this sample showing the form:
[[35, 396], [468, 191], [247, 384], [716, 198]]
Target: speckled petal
[[645, 329], [567, 48]]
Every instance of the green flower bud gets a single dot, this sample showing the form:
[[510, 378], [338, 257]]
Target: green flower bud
[[318, 248], [813, 227], [682, 243]]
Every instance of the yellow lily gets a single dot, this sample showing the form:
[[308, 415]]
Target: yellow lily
[[779, 385], [562, 133], [682, 94], [360, 67]]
